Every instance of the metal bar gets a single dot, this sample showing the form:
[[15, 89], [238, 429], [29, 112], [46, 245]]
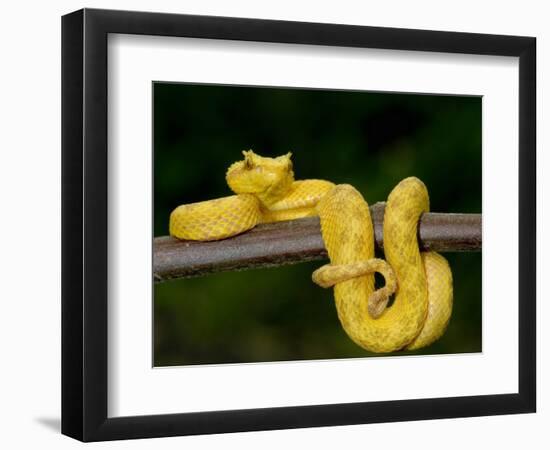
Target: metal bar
[[291, 242]]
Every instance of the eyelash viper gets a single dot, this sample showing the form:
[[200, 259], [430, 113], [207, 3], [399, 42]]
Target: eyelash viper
[[422, 281]]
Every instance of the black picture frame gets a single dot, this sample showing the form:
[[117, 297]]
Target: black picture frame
[[84, 224]]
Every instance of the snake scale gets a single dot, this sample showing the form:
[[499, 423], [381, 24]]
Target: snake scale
[[421, 282]]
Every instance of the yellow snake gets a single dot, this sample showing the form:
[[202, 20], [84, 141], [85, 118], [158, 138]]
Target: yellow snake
[[422, 282]]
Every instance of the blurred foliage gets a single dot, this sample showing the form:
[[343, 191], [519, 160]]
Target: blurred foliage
[[370, 140]]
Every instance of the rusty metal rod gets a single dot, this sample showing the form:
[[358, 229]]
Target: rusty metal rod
[[295, 241]]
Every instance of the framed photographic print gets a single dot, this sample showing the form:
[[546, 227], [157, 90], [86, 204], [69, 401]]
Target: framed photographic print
[[272, 224]]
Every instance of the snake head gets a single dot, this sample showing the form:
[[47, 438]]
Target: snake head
[[268, 178]]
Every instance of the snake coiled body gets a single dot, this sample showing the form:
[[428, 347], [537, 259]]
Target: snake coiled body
[[422, 282]]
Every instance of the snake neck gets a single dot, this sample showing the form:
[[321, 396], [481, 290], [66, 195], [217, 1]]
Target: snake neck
[[276, 192]]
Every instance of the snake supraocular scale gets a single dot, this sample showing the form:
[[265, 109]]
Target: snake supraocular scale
[[422, 282]]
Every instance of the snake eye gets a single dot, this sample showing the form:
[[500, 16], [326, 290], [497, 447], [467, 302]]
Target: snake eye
[[248, 163]]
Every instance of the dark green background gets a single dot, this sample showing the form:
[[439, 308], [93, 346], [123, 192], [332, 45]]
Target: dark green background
[[370, 140]]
